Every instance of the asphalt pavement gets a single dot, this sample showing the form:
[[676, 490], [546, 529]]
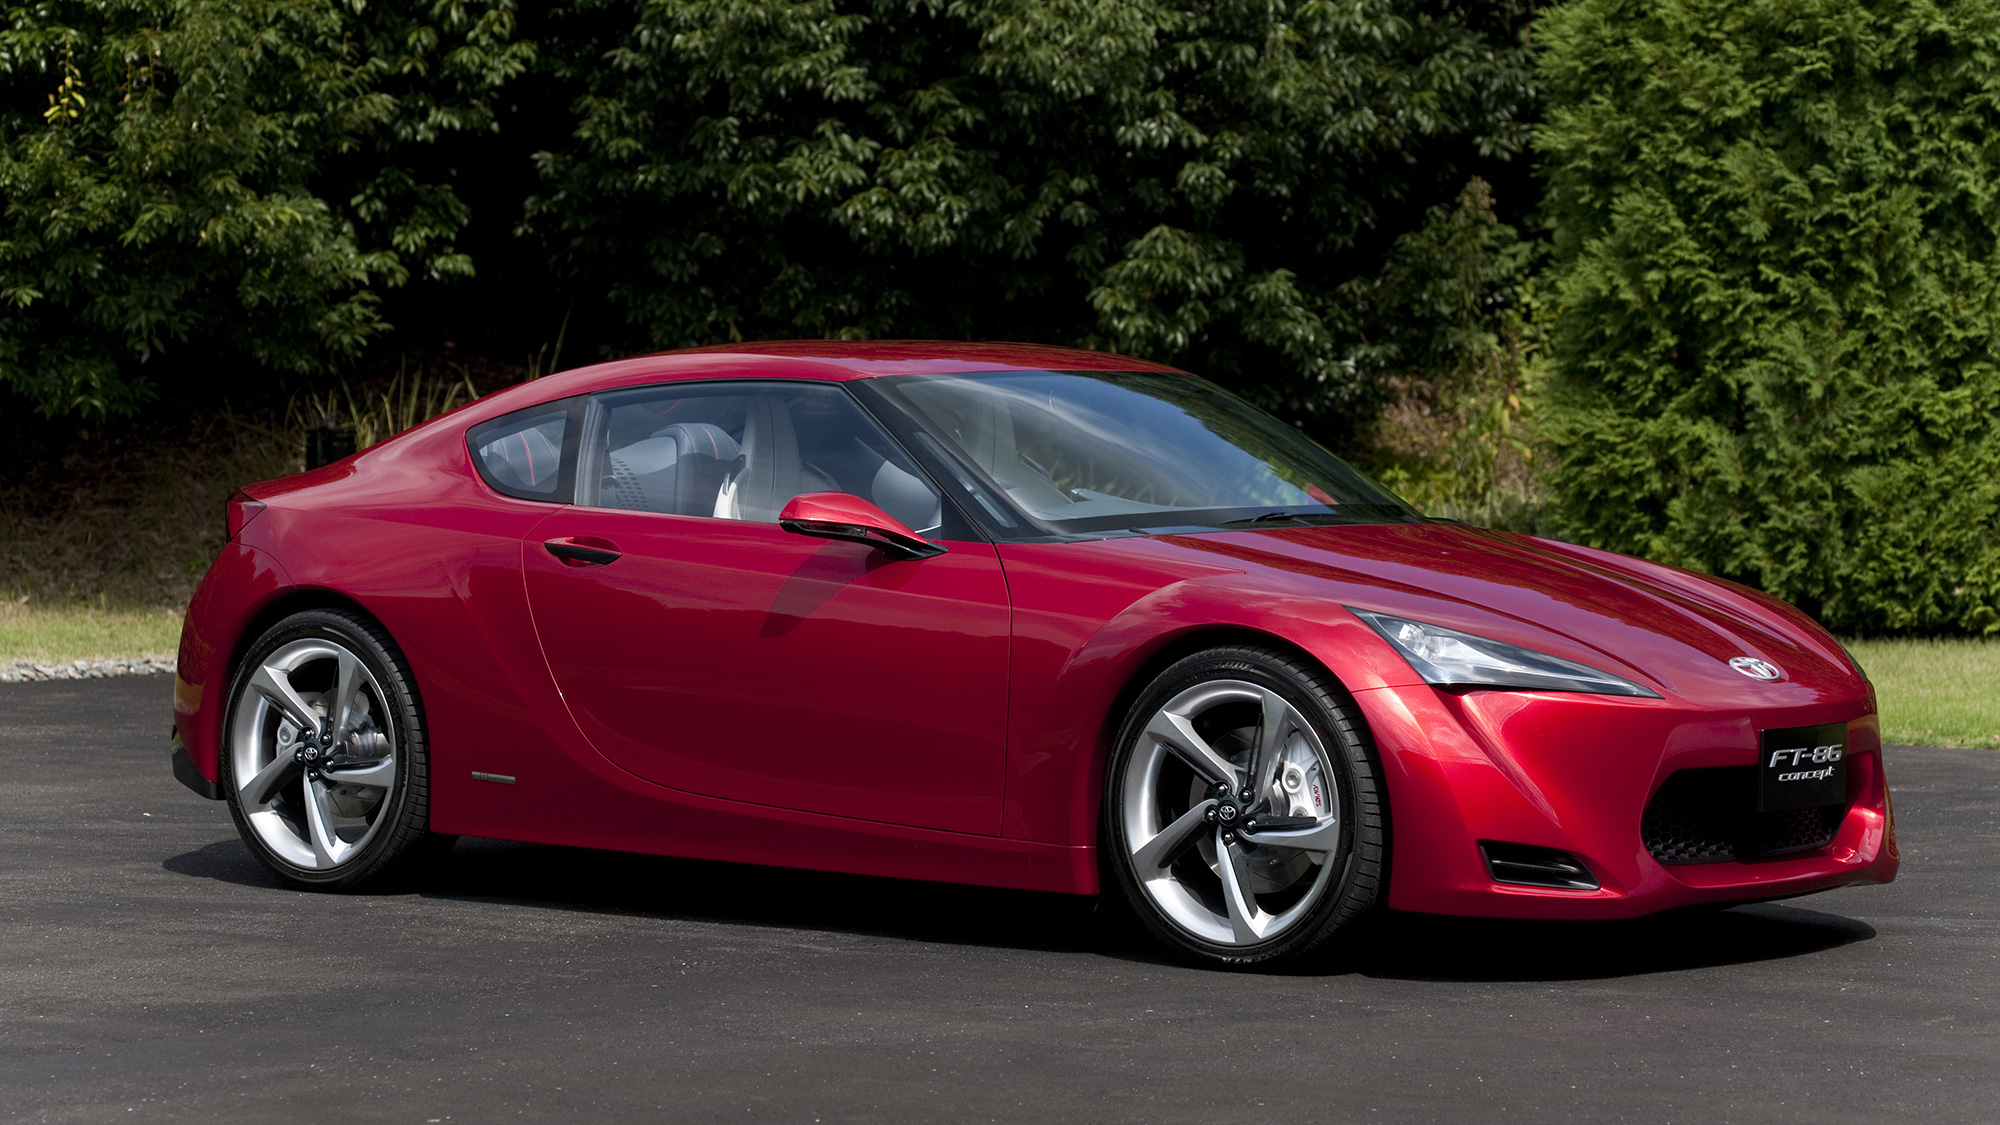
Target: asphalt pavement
[[151, 969]]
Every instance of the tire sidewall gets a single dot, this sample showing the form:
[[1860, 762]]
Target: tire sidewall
[[396, 833], [1321, 702]]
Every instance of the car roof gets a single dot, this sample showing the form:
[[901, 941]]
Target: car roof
[[864, 358], [831, 360]]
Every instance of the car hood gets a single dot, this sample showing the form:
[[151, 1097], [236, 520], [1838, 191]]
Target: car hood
[[1677, 630]]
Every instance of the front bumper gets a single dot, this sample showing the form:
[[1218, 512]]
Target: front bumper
[[1574, 774]]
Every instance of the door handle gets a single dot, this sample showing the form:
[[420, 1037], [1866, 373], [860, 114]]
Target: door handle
[[573, 553]]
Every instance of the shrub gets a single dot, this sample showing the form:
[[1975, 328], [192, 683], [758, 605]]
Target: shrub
[[1776, 274], [1453, 437]]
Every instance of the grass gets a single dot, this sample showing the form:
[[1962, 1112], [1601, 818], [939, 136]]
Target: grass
[[410, 397], [58, 635], [1935, 692]]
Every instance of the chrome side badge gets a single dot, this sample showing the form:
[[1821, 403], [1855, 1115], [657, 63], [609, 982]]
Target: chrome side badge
[[1756, 669]]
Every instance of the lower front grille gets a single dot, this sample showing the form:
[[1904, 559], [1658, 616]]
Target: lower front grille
[[1710, 816]]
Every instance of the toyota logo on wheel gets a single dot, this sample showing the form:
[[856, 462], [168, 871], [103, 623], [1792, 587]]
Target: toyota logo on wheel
[[1756, 669]]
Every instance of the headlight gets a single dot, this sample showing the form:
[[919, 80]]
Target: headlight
[[1858, 669], [1449, 658]]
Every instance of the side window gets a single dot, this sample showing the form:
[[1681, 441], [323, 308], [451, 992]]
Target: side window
[[669, 449], [742, 451], [523, 454]]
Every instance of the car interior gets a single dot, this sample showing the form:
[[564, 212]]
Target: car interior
[[744, 456], [985, 419], [527, 459]]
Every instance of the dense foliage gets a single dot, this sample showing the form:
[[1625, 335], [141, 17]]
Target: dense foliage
[[220, 180], [1207, 181], [1767, 326], [1777, 276], [1216, 181]]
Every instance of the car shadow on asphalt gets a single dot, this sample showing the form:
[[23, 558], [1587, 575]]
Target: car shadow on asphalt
[[1428, 947], [1393, 946], [580, 879]]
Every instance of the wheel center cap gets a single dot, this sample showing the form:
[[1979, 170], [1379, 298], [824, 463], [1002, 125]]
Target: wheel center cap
[[1226, 813]]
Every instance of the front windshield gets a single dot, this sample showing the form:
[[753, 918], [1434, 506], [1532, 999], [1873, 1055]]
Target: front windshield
[[1097, 451]]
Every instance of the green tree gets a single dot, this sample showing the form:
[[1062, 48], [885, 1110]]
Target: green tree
[[225, 181], [1455, 333], [1776, 275], [1214, 182]]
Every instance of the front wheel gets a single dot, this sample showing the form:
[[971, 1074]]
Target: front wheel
[[324, 760], [1244, 819]]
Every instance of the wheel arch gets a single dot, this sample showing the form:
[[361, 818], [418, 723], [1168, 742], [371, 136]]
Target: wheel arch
[[1178, 647], [1063, 747], [293, 601], [1172, 650]]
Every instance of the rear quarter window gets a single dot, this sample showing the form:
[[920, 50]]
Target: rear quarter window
[[530, 454]]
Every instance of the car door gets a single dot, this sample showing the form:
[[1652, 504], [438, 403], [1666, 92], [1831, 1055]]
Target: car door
[[701, 646]]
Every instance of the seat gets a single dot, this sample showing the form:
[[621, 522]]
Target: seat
[[983, 427], [905, 496], [680, 470], [773, 471], [524, 460]]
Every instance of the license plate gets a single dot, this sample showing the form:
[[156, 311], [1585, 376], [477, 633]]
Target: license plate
[[1803, 768]]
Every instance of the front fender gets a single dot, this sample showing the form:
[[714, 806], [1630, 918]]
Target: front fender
[[1091, 625]]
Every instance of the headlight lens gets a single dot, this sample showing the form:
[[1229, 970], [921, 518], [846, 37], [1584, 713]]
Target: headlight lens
[[1856, 664], [1449, 658]]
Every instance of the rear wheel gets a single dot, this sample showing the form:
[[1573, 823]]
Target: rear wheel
[[324, 760], [1243, 815]]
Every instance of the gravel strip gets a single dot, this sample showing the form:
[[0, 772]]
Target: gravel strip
[[23, 671]]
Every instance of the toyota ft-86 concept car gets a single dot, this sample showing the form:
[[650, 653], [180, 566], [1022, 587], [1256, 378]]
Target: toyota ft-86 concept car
[[1007, 615]]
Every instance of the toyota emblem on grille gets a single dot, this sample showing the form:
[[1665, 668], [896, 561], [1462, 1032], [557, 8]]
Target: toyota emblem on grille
[[1756, 669]]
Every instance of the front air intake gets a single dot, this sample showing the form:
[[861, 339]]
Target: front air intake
[[1525, 865], [1710, 816]]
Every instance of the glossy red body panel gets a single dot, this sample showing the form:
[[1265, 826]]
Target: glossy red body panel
[[240, 582], [738, 660], [950, 718]]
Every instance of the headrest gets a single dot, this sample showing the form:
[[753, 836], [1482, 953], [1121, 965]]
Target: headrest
[[701, 439], [524, 459]]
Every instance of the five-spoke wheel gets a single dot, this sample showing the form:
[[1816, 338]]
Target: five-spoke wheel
[[1242, 812], [324, 762]]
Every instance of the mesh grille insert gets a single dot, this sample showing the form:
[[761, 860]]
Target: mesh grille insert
[[1710, 816]]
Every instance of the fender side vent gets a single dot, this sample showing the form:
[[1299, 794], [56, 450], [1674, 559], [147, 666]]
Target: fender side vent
[[1528, 866]]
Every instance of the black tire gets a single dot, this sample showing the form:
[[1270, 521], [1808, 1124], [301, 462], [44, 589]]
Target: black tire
[[396, 836], [1354, 879]]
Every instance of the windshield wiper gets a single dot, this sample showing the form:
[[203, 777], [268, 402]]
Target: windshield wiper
[[1287, 517]]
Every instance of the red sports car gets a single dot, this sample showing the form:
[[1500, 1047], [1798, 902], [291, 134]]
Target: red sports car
[[1000, 614]]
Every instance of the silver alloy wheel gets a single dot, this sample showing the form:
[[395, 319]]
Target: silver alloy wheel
[[313, 753], [1197, 849]]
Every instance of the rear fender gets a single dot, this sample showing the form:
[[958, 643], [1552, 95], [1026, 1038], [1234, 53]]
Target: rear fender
[[241, 583]]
